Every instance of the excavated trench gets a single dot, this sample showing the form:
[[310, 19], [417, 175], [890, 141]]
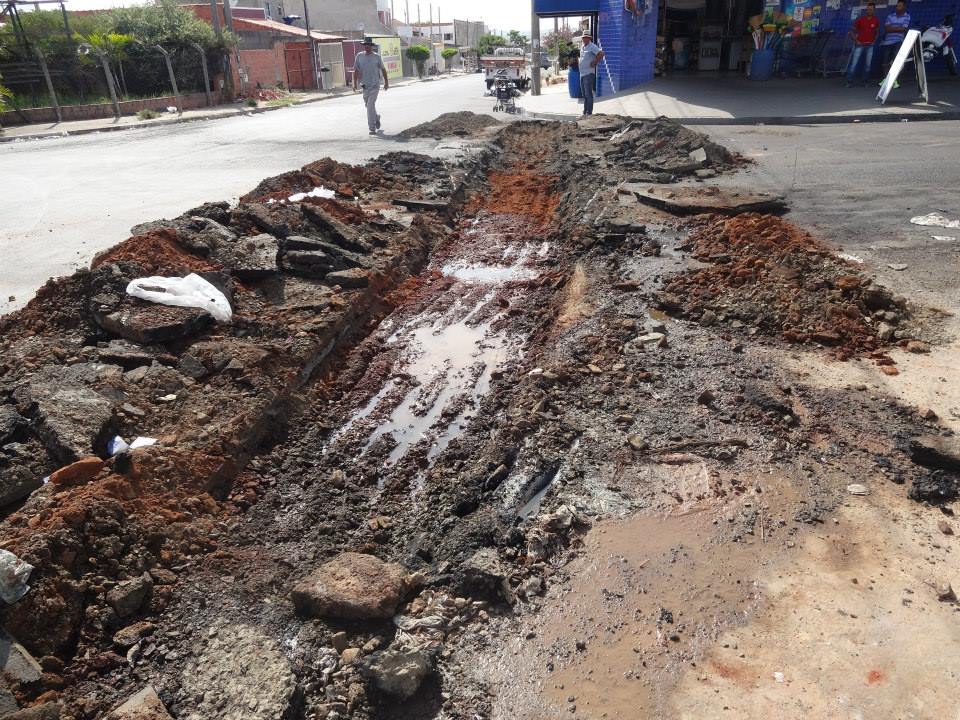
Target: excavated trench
[[459, 369]]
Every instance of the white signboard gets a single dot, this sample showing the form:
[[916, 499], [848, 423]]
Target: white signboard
[[911, 45]]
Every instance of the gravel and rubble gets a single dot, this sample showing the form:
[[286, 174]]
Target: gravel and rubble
[[440, 382]]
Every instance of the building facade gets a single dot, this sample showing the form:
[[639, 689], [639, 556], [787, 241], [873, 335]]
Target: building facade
[[712, 36]]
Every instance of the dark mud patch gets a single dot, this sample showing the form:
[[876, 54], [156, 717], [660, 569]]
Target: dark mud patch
[[460, 124]]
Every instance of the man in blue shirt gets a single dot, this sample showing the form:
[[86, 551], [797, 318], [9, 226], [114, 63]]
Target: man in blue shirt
[[590, 57], [895, 27]]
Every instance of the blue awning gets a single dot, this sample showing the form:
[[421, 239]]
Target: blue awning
[[566, 7]]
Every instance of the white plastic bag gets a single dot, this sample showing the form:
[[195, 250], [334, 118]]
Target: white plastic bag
[[189, 291], [14, 574]]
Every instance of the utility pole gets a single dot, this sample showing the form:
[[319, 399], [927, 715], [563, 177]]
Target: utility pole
[[215, 18], [228, 15], [313, 47], [406, 15], [534, 49], [228, 21]]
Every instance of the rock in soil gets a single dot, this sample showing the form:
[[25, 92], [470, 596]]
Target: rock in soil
[[352, 586], [145, 705], [128, 597], [399, 670]]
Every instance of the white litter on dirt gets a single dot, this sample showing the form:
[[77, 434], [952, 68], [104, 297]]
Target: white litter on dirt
[[944, 238], [936, 220], [320, 192], [14, 574], [189, 291], [850, 258]]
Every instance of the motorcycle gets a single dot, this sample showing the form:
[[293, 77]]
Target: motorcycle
[[937, 41]]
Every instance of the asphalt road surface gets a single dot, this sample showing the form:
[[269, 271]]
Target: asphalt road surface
[[858, 185], [69, 198]]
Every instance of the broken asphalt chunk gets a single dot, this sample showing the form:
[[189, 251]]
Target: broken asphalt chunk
[[149, 324], [248, 258]]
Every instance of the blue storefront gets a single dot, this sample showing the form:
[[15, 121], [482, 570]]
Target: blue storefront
[[715, 30]]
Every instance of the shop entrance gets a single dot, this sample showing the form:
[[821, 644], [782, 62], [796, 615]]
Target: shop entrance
[[703, 36], [696, 36]]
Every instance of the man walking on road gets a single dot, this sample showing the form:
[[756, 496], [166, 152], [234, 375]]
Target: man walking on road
[[590, 57], [864, 32], [367, 70], [895, 26]]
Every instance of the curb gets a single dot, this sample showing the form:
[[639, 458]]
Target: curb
[[171, 121], [781, 120], [176, 121]]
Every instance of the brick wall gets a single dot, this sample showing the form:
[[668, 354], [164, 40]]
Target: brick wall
[[192, 101], [266, 67]]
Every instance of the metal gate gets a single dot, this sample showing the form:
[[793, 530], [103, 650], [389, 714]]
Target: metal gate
[[299, 61]]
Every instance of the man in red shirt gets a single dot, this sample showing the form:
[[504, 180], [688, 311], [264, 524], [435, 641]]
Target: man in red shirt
[[864, 32]]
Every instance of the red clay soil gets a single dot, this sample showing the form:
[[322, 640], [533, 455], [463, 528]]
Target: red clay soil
[[769, 274], [347, 213], [158, 252], [520, 192]]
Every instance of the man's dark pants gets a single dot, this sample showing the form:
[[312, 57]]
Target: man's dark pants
[[587, 85]]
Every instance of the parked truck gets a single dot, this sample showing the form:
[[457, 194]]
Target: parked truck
[[508, 63]]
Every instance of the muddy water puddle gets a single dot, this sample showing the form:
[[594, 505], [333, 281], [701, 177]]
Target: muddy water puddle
[[443, 347]]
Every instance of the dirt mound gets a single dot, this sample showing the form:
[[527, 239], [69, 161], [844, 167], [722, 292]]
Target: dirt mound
[[328, 173], [661, 147], [456, 123], [767, 275], [157, 252]]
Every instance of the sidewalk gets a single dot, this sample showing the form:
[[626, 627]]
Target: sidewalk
[[714, 99], [128, 122]]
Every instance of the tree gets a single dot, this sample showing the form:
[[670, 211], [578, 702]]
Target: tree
[[419, 54], [488, 43], [113, 46], [128, 37], [560, 43], [448, 54], [517, 38]]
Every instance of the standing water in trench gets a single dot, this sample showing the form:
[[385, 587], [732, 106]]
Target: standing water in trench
[[445, 349]]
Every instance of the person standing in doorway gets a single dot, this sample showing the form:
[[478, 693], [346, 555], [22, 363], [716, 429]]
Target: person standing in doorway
[[864, 32], [895, 27], [590, 57], [368, 68]]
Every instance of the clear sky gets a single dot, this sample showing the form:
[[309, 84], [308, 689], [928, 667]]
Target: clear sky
[[502, 15]]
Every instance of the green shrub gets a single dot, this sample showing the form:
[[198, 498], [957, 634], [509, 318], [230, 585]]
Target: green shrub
[[147, 114], [419, 55]]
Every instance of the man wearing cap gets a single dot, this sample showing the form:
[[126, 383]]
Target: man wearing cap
[[367, 69], [590, 56]]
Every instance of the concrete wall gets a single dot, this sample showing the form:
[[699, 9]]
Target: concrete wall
[[340, 17], [192, 101]]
